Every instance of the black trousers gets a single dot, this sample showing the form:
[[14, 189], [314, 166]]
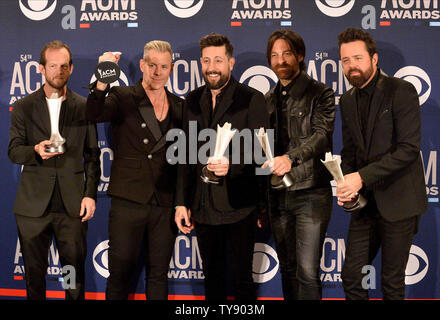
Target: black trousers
[[35, 235], [299, 221], [133, 226], [228, 249], [368, 232]]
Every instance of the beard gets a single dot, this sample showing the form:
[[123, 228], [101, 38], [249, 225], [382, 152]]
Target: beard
[[360, 79], [285, 71], [57, 83], [219, 83]]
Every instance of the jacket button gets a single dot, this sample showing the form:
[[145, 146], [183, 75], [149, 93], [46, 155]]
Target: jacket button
[[145, 141], [143, 125], [150, 156]]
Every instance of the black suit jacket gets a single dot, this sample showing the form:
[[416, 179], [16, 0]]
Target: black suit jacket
[[78, 169], [139, 167], [245, 108], [389, 159]]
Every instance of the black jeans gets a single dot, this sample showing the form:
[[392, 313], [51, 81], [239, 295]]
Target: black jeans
[[228, 248], [368, 232], [35, 236], [132, 226], [299, 221]]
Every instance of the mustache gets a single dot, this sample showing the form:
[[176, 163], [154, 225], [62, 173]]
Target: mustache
[[354, 69], [283, 65], [213, 73]]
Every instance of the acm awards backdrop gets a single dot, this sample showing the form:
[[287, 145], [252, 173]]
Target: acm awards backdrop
[[407, 34]]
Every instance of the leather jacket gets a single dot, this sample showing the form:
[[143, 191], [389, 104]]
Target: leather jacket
[[311, 106]]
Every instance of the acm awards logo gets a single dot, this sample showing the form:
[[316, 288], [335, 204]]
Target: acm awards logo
[[264, 10], [186, 263], [90, 11], [390, 11], [333, 256], [183, 8]]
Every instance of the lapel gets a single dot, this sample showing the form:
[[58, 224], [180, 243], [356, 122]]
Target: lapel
[[377, 102], [353, 117], [175, 113], [205, 104], [42, 113], [147, 112], [225, 103], [68, 114]]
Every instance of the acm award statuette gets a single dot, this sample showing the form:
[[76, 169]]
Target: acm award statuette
[[223, 137], [334, 168], [108, 71], [276, 182], [56, 140]]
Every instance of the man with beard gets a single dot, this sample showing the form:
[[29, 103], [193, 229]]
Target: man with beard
[[224, 215], [380, 160], [302, 111], [57, 191]]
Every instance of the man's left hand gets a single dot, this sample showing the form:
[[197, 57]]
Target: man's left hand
[[88, 207], [220, 167], [348, 190]]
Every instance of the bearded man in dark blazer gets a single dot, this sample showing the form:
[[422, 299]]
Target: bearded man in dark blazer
[[57, 191], [381, 131], [142, 182], [224, 215]]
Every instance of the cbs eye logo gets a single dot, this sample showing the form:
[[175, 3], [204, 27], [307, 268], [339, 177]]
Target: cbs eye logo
[[414, 75], [334, 8], [265, 263], [37, 9], [100, 259], [417, 266], [259, 77], [183, 8]]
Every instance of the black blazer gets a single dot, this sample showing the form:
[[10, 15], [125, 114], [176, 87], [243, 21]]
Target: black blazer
[[139, 167], [245, 108], [389, 160], [78, 169]]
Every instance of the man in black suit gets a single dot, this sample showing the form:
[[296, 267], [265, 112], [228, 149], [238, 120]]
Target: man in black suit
[[225, 215], [57, 191], [142, 182], [381, 160]]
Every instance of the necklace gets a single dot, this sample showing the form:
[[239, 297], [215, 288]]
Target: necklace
[[159, 118]]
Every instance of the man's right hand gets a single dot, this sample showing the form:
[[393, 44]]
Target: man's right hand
[[107, 56], [182, 218], [41, 150]]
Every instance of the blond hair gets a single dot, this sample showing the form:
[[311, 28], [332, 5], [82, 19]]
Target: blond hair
[[158, 45]]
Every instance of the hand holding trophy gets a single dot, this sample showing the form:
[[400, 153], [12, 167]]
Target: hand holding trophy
[[334, 168], [108, 70], [223, 137], [277, 182]]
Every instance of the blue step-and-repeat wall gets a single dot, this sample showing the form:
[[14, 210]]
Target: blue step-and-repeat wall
[[408, 39]]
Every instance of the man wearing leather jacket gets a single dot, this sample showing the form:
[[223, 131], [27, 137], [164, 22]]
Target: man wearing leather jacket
[[302, 112]]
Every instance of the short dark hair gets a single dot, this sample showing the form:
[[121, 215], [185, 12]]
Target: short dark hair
[[56, 44], [355, 34], [216, 40], [294, 40]]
